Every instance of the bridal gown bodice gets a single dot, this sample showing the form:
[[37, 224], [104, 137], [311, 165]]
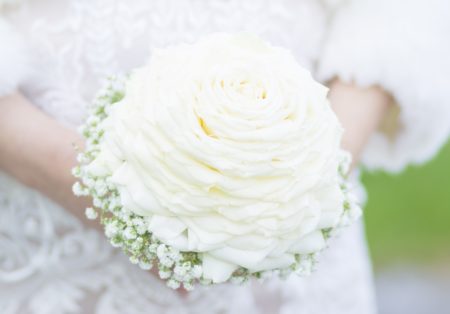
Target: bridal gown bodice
[[51, 263]]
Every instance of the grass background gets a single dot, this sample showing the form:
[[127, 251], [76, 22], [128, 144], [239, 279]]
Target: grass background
[[408, 215]]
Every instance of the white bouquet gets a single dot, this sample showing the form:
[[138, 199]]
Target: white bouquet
[[216, 161]]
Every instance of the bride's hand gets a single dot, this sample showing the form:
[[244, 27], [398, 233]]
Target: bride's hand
[[360, 111], [39, 152]]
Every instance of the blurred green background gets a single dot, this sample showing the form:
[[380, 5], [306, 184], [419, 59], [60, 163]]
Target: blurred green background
[[408, 215]]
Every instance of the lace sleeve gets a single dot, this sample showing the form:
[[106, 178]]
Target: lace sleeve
[[401, 46], [14, 61]]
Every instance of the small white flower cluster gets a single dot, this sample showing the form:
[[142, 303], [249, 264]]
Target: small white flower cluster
[[130, 232], [352, 209]]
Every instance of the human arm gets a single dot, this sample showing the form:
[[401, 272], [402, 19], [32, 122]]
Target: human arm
[[39, 152], [360, 111]]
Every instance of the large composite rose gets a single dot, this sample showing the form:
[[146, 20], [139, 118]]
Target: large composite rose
[[229, 148]]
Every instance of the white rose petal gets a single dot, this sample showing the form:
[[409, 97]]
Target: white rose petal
[[217, 270], [311, 243]]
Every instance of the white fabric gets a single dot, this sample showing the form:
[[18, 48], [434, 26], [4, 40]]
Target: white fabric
[[7, 3], [14, 62], [403, 47], [49, 263]]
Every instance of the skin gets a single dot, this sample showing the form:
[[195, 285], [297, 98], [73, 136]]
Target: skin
[[361, 112], [39, 152]]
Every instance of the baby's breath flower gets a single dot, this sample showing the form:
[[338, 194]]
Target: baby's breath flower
[[100, 188], [164, 274], [182, 270], [152, 248], [126, 217], [91, 213], [134, 259], [238, 280], [305, 267], [116, 242], [150, 256], [98, 202], [161, 251], [140, 226], [111, 229], [175, 255], [130, 233], [172, 283], [196, 271], [137, 244], [207, 282], [76, 172], [145, 265], [189, 285], [113, 203], [284, 273], [82, 129], [266, 274], [89, 182], [82, 158], [77, 189], [165, 261], [93, 120]]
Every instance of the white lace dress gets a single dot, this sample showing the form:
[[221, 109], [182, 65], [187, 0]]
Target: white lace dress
[[50, 263]]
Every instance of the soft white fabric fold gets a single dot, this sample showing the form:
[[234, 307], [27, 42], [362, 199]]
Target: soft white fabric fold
[[14, 61], [402, 46]]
